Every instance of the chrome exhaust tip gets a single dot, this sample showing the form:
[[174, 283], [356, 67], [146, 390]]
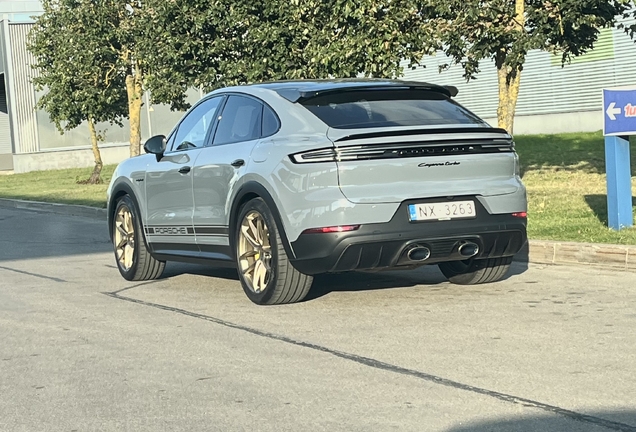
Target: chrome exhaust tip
[[419, 253], [468, 249]]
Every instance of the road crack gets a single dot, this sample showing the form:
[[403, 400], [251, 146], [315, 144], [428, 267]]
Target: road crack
[[377, 364], [33, 274]]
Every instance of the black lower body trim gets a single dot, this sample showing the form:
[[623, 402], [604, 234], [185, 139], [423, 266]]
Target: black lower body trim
[[386, 245], [217, 255]]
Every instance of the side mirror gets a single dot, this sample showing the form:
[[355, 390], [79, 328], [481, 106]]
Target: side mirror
[[156, 145]]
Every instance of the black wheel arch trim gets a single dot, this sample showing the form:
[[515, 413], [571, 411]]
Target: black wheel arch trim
[[124, 186], [258, 189]]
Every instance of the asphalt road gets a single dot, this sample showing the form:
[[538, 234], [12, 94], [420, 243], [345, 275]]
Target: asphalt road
[[81, 349]]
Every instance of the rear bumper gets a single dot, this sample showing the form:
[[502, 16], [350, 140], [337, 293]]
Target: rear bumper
[[385, 245]]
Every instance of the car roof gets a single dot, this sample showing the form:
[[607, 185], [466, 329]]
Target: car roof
[[296, 91]]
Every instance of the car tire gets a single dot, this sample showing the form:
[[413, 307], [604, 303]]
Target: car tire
[[134, 261], [265, 272], [476, 271]]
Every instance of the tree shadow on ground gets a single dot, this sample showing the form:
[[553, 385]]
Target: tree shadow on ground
[[622, 420], [598, 205], [28, 234]]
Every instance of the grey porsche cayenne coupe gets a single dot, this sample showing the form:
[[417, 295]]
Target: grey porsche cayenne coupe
[[286, 180]]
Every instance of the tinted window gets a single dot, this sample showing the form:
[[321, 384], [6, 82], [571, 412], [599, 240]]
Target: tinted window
[[270, 122], [379, 108], [170, 140], [196, 124], [240, 120]]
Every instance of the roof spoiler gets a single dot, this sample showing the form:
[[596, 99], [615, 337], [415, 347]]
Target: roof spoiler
[[296, 95], [454, 91]]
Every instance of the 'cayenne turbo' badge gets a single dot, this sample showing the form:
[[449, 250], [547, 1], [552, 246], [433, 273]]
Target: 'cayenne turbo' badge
[[429, 165]]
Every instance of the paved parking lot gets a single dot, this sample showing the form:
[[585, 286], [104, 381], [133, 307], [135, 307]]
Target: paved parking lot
[[81, 349]]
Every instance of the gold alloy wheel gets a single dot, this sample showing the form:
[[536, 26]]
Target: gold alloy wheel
[[255, 252], [124, 238]]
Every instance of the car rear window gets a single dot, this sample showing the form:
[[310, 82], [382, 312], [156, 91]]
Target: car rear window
[[383, 108]]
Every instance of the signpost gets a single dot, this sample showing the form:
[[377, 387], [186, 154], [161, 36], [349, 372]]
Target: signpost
[[619, 113]]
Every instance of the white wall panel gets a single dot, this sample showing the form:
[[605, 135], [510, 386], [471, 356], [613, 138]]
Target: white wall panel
[[23, 94], [546, 87], [5, 131]]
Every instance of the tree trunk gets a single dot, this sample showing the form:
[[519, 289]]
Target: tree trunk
[[509, 82], [96, 176], [509, 78], [134, 89]]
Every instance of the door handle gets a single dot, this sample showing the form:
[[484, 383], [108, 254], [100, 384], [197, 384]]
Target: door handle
[[238, 163], [184, 170]]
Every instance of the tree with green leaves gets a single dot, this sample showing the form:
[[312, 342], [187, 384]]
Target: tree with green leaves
[[118, 33], [182, 46], [211, 44], [326, 38], [103, 47], [77, 72], [169, 46], [471, 31]]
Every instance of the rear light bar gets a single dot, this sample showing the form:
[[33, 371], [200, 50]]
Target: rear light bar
[[520, 215], [332, 229], [402, 150]]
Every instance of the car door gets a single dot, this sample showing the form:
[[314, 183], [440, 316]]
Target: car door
[[168, 181], [218, 169]]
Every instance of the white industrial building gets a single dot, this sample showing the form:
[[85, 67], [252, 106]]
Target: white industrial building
[[28, 139], [552, 99]]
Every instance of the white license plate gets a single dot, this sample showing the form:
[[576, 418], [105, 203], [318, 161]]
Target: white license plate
[[442, 210]]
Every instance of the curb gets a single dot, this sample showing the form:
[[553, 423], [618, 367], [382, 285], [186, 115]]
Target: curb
[[616, 257], [63, 209]]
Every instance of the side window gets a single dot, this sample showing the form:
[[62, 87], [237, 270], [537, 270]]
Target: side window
[[240, 121], [194, 127], [270, 122], [170, 140]]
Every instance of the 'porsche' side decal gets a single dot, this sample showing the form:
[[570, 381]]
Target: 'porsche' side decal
[[169, 230], [184, 231]]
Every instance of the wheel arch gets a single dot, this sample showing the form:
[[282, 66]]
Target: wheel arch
[[247, 192], [120, 189]]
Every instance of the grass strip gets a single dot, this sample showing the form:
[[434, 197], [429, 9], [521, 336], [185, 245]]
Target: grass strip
[[564, 174], [59, 186], [567, 192]]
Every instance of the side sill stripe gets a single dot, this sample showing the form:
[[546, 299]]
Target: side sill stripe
[[212, 230], [181, 230]]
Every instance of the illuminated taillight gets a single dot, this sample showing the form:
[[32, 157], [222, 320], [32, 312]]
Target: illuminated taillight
[[331, 229], [322, 155], [520, 215]]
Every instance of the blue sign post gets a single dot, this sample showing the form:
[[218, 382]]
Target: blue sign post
[[619, 112]]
